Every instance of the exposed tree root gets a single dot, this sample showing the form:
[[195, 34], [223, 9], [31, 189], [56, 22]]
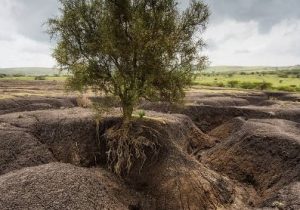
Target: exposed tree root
[[129, 146], [175, 180]]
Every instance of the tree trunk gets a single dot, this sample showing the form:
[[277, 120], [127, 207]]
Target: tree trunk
[[127, 109]]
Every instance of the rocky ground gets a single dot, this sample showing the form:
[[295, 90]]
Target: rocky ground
[[223, 149]]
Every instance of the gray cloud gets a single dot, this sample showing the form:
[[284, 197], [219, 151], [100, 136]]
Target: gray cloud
[[266, 12], [30, 15]]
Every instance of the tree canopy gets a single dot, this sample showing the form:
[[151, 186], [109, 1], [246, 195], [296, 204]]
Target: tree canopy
[[130, 48]]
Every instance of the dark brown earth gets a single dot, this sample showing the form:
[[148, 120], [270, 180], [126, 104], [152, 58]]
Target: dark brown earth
[[64, 186], [222, 150]]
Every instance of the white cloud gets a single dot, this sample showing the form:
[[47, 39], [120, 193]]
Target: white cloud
[[234, 35], [241, 43], [16, 49], [24, 52]]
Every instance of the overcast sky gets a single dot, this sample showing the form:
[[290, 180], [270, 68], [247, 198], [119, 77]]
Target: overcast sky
[[240, 32]]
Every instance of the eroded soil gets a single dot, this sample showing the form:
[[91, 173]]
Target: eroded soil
[[223, 149]]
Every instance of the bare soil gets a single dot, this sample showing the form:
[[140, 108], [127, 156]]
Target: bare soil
[[223, 149]]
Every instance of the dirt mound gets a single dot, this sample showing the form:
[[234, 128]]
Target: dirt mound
[[63, 186], [209, 117], [225, 130], [289, 114], [19, 149], [286, 198], [69, 134], [210, 109], [175, 179], [264, 153], [226, 98], [283, 96], [34, 103]]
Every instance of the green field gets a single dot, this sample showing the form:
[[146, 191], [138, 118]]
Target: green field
[[284, 80], [235, 69]]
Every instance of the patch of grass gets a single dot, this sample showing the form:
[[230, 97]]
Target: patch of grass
[[141, 113]]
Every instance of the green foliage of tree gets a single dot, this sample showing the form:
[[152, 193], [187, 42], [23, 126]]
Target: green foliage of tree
[[130, 48]]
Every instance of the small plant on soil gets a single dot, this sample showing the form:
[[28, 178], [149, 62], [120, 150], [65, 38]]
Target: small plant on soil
[[141, 114]]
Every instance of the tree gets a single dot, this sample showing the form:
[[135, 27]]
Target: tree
[[130, 48]]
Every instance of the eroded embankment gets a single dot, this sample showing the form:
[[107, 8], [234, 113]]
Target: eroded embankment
[[209, 111], [33, 103], [263, 153], [175, 180], [244, 163]]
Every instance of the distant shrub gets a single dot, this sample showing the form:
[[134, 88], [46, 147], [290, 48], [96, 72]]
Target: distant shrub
[[18, 75], [3, 75], [233, 83], [220, 84], [207, 84], [248, 85], [230, 75], [256, 85], [280, 81], [287, 88], [264, 85], [40, 78], [293, 86], [283, 76], [243, 73]]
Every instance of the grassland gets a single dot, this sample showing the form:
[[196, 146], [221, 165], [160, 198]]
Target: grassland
[[236, 69], [285, 80]]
